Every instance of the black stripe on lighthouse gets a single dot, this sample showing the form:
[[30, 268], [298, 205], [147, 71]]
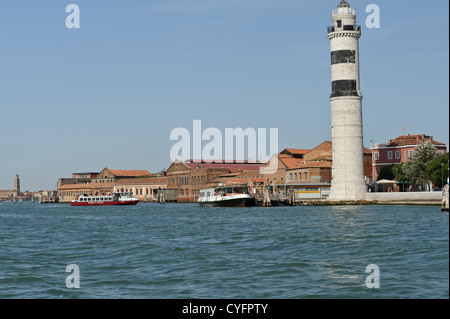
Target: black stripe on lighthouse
[[343, 88], [343, 56]]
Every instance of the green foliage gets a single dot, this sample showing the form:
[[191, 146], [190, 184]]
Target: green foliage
[[438, 170], [397, 171], [416, 168], [386, 173]]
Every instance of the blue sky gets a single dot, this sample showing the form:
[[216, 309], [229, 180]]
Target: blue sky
[[109, 94]]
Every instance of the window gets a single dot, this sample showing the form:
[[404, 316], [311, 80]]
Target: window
[[389, 154], [306, 175], [295, 176], [377, 156], [410, 153], [397, 154], [339, 23]]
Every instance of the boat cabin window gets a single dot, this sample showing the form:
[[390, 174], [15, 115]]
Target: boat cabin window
[[202, 194]]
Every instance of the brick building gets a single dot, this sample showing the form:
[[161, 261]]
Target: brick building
[[275, 170], [311, 172], [252, 178], [399, 150], [92, 183], [67, 192], [145, 189], [115, 174], [190, 176], [307, 166], [294, 152]]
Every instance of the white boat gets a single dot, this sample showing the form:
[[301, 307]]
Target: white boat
[[101, 200], [227, 196]]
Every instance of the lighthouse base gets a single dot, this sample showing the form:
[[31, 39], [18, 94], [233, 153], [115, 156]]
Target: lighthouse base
[[346, 193]]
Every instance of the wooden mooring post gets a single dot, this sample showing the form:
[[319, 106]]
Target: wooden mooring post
[[445, 199]]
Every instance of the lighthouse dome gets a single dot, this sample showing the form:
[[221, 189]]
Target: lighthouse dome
[[343, 4]]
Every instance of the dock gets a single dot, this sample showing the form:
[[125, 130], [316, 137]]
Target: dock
[[48, 200]]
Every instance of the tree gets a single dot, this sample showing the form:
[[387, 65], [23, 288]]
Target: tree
[[386, 173], [438, 169], [416, 168], [397, 171]]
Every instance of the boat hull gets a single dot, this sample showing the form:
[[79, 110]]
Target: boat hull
[[237, 202], [107, 203]]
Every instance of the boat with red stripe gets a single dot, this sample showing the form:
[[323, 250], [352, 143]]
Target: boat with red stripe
[[104, 200]]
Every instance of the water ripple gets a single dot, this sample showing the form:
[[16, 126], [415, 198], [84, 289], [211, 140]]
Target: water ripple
[[184, 251]]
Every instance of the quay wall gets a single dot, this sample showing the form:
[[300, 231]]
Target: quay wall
[[405, 197]]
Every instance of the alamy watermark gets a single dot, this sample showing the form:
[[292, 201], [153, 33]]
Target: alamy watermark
[[373, 280], [73, 280], [373, 19], [219, 149], [73, 19]]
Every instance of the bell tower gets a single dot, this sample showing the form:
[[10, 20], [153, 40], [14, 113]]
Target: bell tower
[[17, 186], [348, 181]]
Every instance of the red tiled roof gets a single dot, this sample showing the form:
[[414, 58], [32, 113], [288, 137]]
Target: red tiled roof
[[404, 140], [297, 151], [290, 162], [146, 180], [130, 173], [243, 181], [318, 164], [86, 186], [249, 174], [245, 165]]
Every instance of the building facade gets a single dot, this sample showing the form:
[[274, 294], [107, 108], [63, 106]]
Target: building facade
[[399, 150], [190, 176], [67, 192], [144, 189], [93, 184], [107, 173]]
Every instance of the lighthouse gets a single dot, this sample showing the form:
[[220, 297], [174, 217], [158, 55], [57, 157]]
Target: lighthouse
[[17, 186], [348, 182]]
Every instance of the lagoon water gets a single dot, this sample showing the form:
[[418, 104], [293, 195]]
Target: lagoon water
[[185, 251]]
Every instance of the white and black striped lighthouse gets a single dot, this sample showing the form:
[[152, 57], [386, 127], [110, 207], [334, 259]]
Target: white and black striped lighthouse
[[348, 182]]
